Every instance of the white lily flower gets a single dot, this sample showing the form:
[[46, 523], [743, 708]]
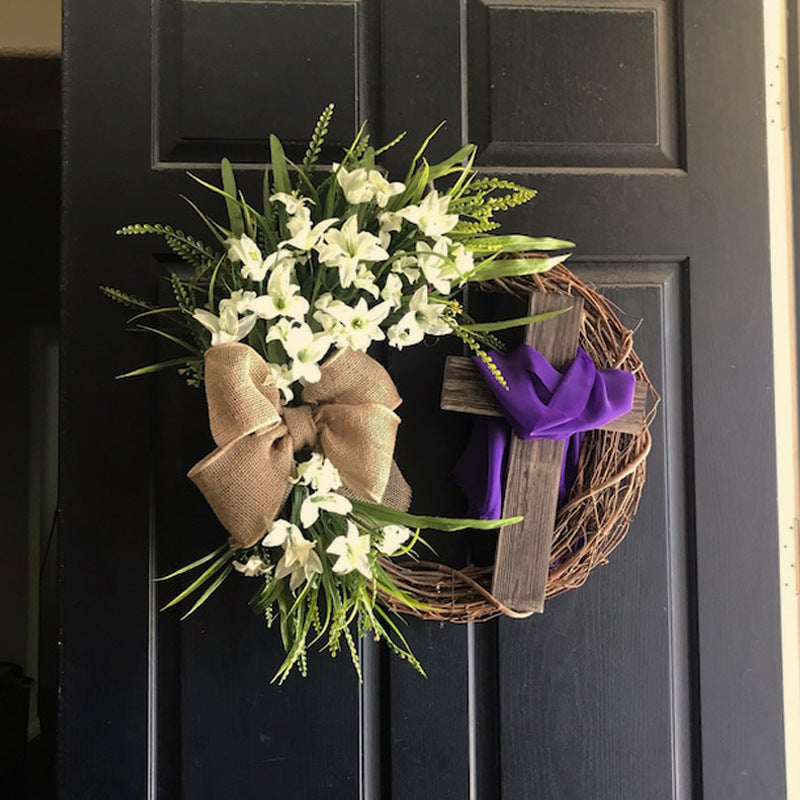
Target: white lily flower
[[436, 267], [392, 290], [383, 190], [306, 237], [306, 349], [254, 567], [429, 316], [227, 327], [299, 560], [280, 258], [244, 249], [352, 551], [328, 314], [431, 216], [302, 568], [390, 221], [297, 221], [282, 375], [347, 248], [292, 203], [239, 301], [365, 280], [422, 317], [323, 501], [355, 185], [330, 324], [394, 537], [464, 260], [405, 332], [279, 330], [319, 473], [408, 267], [283, 297], [360, 325], [280, 532]]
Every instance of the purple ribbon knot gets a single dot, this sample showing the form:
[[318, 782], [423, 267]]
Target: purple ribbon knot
[[541, 403]]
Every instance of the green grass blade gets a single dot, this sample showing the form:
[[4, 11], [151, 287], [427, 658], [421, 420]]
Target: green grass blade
[[173, 362], [212, 284], [515, 244], [198, 582], [209, 591], [215, 228], [200, 561], [170, 337], [453, 163], [393, 516], [229, 184], [153, 312], [278, 162], [507, 267], [505, 324], [413, 165]]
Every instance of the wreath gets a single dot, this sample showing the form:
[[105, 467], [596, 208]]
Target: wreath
[[275, 321]]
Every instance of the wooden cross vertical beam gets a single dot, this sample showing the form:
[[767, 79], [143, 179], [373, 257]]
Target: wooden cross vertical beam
[[534, 473]]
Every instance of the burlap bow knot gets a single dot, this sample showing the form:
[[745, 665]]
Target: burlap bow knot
[[348, 415]]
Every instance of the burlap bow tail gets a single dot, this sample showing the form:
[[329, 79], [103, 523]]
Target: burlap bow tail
[[348, 416]]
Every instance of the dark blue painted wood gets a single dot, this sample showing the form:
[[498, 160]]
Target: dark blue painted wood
[[665, 654]]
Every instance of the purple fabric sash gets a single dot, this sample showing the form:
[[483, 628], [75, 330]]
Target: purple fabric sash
[[541, 403]]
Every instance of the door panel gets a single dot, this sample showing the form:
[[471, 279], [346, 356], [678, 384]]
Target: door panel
[[641, 124]]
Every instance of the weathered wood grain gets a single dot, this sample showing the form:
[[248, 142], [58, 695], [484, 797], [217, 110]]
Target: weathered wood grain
[[465, 390], [534, 470]]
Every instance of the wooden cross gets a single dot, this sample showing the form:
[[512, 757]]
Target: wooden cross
[[534, 466]]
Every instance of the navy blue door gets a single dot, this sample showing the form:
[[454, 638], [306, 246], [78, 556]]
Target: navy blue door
[[641, 124]]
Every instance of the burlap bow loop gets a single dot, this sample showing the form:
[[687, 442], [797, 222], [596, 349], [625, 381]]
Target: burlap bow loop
[[348, 415]]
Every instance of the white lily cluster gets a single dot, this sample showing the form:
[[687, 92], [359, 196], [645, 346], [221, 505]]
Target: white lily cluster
[[349, 552], [379, 272]]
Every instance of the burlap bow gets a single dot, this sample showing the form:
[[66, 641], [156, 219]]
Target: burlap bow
[[347, 415]]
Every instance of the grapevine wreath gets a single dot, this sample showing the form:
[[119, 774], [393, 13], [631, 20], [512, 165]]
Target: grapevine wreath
[[275, 322]]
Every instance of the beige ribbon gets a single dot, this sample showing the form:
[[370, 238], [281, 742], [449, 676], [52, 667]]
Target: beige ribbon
[[348, 416]]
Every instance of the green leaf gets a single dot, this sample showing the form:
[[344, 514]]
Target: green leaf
[[214, 227], [209, 591], [247, 215], [506, 267], [173, 362], [415, 188], [278, 162], [502, 325], [152, 312], [515, 244], [211, 285], [454, 163], [170, 337], [229, 184], [413, 165], [200, 561], [466, 175], [197, 583], [393, 516]]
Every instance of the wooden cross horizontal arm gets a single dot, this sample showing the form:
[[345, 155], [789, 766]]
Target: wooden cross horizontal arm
[[465, 390]]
